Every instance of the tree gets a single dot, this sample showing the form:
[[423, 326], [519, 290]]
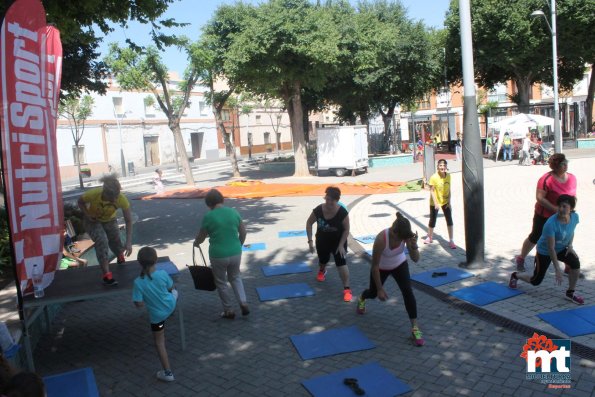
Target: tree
[[76, 20], [144, 71], [508, 44], [282, 48], [77, 111]]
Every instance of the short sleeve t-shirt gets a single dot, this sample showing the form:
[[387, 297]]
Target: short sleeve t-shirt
[[154, 292], [554, 189], [222, 226], [103, 211], [441, 187], [329, 230], [561, 232]]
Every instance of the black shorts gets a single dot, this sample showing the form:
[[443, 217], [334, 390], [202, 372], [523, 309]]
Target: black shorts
[[325, 249], [542, 262], [538, 222], [158, 327], [434, 213]]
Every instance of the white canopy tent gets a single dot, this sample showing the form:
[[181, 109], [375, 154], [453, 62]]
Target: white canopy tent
[[518, 126]]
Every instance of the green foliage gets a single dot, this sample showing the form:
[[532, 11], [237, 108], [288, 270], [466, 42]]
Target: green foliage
[[76, 110], [5, 259]]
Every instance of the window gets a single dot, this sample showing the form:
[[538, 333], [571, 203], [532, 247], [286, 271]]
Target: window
[[424, 103], [258, 120], [81, 154], [202, 107], [498, 93], [225, 115], [118, 107], [267, 138]]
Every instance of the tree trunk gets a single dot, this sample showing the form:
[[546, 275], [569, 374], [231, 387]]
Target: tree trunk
[[78, 165], [294, 108], [387, 119], [229, 145], [589, 101], [523, 90], [179, 140]]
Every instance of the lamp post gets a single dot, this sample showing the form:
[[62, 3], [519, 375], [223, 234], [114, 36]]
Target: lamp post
[[122, 160], [552, 27]]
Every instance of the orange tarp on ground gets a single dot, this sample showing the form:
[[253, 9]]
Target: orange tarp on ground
[[258, 189]]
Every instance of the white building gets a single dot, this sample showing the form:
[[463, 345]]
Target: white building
[[128, 129]]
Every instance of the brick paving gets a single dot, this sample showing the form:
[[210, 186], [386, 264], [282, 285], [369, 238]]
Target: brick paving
[[253, 356]]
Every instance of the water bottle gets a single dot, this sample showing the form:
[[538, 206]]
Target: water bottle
[[37, 281]]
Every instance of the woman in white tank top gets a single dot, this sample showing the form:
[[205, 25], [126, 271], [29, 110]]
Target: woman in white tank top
[[389, 259]]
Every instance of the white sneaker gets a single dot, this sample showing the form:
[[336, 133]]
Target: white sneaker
[[165, 376]]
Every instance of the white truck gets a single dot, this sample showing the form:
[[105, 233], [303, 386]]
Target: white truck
[[342, 149]]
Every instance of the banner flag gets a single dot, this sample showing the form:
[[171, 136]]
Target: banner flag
[[31, 65]]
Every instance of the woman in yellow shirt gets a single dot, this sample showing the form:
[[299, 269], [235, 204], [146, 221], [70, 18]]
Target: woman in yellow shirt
[[440, 198]]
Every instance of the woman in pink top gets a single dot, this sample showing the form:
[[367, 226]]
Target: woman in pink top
[[388, 259], [549, 187]]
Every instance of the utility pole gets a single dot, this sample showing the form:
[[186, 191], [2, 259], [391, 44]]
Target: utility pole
[[472, 155]]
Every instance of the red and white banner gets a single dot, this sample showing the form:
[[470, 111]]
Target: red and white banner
[[31, 65]]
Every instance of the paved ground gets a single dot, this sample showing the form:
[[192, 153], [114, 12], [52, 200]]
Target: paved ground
[[464, 354]]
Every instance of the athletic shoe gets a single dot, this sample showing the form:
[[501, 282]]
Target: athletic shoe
[[321, 276], [347, 295], [109, 281], [245, 310], [121, 259], [428, 240], [418, 338], [519, 261], [166, 376], [452, 245], [512, 283], [361, 306], [575, 298]]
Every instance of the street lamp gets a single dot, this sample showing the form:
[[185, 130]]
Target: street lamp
[[552, 28], [122, 160]]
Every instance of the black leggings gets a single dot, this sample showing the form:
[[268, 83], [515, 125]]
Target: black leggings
[[401, 276], [542, 262], [434, 213]]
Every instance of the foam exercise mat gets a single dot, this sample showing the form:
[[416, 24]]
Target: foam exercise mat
[[292, 233], [254, 247], [485, 293], [286, 268], [168, 266], [77, 383], [574, 322], [371, 378], [331, 342], [366, 239], [284, 291], [441, 276]]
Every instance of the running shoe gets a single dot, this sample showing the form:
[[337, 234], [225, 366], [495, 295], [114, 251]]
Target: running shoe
[[512, 283], [418, 338], [575, 298], [428, 240], [121, 259], [347, 295], [361, 306], [165, 376], [452, 245], [321, 276], [109, 281], [519, 261]]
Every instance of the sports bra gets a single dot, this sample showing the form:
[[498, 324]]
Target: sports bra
[[391, 259]]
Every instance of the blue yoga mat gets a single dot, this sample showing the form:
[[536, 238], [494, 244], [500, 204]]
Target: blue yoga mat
[[168, 266], [77, 383], [292, 233], [286, 268], [452, 274], [285, 291], [254, 247], [331, 342], [372, 378], [574, 322], [485, 293], [366, 239]]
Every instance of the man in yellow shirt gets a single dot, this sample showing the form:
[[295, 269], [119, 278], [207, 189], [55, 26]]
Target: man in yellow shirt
[[99, 206], [440, 198]]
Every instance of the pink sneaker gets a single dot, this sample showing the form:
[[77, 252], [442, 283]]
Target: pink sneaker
[[428, 240], [452, 245]]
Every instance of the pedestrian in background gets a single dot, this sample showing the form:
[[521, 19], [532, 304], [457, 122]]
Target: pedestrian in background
[[549, 187], [507, 146], [332, 229], [157, 181], [458, 147], [440, 199], [227, 233], [389, 259], [525, 158]]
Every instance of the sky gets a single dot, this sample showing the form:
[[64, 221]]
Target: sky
[[198, 12]]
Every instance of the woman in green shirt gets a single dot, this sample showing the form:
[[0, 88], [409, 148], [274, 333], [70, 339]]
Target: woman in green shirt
[[227, 233]]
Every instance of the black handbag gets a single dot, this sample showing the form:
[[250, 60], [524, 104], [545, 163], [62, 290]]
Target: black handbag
[[202, 275]]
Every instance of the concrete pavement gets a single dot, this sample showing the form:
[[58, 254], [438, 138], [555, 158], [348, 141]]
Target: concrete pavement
[[465, 354]]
